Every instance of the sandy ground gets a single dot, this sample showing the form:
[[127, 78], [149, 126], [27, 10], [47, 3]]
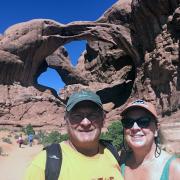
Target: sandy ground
[[14, 164]]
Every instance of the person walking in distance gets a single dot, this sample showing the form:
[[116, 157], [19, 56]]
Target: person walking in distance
[[30, 139], [20, 140]]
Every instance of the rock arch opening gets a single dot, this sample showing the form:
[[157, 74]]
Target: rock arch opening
[[75, 49], [48, 78], [51, 79]]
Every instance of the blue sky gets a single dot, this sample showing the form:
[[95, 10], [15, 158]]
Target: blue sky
[[63, 11]]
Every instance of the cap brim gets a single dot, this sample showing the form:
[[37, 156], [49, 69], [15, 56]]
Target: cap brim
[[136, 106]]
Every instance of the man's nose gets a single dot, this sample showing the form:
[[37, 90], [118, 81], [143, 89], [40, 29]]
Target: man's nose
[[85, 121]]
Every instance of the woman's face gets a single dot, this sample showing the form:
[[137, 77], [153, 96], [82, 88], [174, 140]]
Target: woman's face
[[141, 133]]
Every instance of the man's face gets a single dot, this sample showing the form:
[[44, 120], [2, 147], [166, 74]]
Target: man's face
[[84, 123]]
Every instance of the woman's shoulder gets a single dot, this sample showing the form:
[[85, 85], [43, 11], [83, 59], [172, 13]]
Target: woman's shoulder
[[176, 162], [173, 164], [175, 167]]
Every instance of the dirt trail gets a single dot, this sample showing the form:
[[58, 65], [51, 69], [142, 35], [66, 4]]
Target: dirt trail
[[13, 166]]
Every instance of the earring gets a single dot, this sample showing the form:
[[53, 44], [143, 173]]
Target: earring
[[155, 134]]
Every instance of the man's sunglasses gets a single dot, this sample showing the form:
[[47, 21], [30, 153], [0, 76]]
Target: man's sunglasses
[[93, 116], [142, 122]]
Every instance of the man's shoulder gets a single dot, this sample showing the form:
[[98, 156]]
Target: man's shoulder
[[37, 167], [40, 159]]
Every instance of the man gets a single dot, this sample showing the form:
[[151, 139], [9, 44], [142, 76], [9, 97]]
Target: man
[[83, 156], [30, 139]]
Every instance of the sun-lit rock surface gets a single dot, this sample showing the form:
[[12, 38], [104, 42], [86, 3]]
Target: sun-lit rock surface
[[132, 52]]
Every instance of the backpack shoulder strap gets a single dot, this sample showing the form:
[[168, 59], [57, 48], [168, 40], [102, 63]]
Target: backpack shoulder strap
[[111, 148], [53, 161]]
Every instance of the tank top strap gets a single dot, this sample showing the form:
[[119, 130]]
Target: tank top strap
[[165, 173], [123, 169]]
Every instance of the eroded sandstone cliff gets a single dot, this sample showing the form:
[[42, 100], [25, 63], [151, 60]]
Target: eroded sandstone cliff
[[132, 52]]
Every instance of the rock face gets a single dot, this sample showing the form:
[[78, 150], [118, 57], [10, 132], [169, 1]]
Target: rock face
[[132, 52]]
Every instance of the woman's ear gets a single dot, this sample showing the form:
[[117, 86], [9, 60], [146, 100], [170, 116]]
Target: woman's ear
[[156, 133], [104, 117], [158, 127]]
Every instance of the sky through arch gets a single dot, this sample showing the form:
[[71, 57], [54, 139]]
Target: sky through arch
[[51, 78], [63, 11]]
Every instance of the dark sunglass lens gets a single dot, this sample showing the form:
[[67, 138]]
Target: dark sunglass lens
[[127, 123], [144, 122], [76, 118]]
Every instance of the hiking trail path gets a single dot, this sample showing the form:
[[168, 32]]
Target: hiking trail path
[[13, 165]]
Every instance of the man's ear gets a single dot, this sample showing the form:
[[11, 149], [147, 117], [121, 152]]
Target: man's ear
[[104, 114], [66, 117]]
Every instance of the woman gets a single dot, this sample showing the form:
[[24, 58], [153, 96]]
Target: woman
[[20, 140], [145, 160]]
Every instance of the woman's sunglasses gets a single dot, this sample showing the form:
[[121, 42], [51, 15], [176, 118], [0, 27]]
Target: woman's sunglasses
[[142, 122]]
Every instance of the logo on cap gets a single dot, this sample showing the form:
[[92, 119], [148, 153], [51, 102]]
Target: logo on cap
[[139, 102]]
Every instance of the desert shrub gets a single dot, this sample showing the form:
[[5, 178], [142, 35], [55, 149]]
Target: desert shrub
[[25, 141], [28, 129], [115, 134], [16, 136], [1, 150], [3, 129], [53, 137], [39, 136], [7, 140], [9, 135]]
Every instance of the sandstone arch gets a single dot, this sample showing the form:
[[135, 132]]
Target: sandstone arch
[[133, 48]]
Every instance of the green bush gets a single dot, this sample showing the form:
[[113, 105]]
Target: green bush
[[115, 134], [28, 129], [53, 137], [40, 135]]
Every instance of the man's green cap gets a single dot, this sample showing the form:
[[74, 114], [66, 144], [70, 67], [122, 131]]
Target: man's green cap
[[83, 95]]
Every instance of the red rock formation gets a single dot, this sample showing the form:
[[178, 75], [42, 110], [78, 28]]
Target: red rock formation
[[132, 52]]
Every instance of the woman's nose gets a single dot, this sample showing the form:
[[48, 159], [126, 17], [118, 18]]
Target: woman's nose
[[135, 126]]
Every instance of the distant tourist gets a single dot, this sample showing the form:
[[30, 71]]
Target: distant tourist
[[30, 139], [20, 140], [144, 158]]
